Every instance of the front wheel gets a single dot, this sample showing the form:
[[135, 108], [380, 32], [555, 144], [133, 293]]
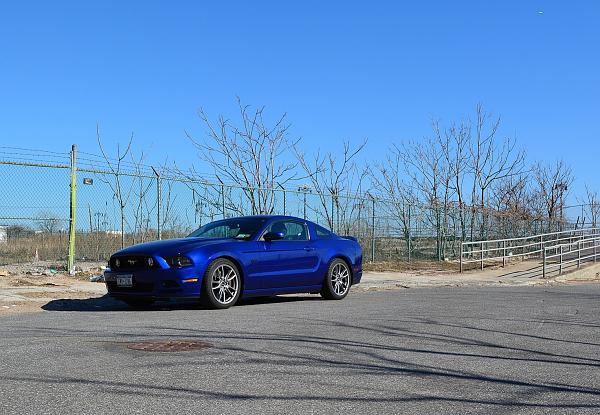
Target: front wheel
[[337, 280], [221, 285]]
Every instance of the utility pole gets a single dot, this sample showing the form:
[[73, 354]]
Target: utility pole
[[158, 204], [72, 211]]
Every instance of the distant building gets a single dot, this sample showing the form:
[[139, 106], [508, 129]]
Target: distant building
[[3, 234]]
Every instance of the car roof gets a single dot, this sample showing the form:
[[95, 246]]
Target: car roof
[[269, 217]]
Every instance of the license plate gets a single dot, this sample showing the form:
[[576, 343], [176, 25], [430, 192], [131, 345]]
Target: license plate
[[124, 280]]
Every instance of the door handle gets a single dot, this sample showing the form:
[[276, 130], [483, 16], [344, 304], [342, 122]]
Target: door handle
[[309, 248]]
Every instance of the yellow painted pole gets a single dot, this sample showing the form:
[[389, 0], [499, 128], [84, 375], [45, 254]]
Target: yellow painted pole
[[71, 257]]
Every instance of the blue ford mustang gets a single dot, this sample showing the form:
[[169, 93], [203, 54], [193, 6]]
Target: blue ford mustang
[[240, 257]]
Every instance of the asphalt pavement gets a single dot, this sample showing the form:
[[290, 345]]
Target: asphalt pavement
[[417, 351]]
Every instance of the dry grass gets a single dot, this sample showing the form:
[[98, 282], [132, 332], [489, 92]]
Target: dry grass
[[397, 266], [25, 248], [97, 246]]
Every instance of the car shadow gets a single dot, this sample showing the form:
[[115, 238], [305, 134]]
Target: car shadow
[[107, 303]]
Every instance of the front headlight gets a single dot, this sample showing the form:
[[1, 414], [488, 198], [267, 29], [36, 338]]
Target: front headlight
[[178, 261]]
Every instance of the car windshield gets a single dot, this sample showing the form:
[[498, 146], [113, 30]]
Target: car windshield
[[236, 228]]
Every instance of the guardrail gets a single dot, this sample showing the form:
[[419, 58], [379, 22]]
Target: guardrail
[[527, 246], [565, 255]]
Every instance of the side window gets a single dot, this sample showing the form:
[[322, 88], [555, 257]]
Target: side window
[[224, 231], [322, 233], [217, 232], [292, 231]]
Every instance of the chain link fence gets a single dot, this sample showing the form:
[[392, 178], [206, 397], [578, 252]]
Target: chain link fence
[[136, 204]]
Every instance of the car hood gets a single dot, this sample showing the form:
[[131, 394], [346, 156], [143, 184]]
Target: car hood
[[172, 246]]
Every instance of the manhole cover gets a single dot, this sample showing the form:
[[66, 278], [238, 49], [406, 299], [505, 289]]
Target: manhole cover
[[169, 346]]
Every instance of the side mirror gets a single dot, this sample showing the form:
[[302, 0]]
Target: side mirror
[[273, 236]]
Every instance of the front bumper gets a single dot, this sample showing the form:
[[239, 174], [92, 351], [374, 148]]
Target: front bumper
[[156, 283]]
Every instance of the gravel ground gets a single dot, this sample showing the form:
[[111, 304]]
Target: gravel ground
[[533, 350]]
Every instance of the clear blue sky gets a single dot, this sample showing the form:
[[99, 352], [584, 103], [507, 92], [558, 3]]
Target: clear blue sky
[[341, 70]]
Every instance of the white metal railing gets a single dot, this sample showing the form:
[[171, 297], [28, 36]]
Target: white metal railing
[[565, 255], [527, 246]]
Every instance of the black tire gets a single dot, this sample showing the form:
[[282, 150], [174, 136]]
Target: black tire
[[338, 271], [221, 296], [139, 302]]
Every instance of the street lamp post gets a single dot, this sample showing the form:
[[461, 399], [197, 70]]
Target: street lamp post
[[304, 189]]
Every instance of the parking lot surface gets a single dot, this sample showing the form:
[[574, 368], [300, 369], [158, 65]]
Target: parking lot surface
[[416, 351]]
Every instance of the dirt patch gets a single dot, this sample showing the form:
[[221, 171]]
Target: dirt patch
[[63, 294], [27, 287], [34, 282], [83, 270]]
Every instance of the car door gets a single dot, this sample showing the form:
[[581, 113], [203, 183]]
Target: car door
[[287, 262]]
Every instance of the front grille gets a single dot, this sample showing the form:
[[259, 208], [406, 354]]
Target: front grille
[[130, 263], [138, 287]]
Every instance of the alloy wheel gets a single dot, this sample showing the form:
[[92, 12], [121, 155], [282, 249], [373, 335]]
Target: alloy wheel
[[225, 284], [340, 279]]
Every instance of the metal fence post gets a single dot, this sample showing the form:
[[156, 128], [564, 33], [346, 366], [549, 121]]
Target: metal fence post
[[481, 254], [373, 231], [284, 197], [305, 205], [461, 258], [504, 253], [337, 213], [72, 211], [158, 204], [560, 266], [579, 253], [332, 216], [544, 263], [570, 240], [223, 199], [595, 242], [409, 236]]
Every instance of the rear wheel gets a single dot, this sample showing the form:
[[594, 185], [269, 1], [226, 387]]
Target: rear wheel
[[337, 281], [221, 285]]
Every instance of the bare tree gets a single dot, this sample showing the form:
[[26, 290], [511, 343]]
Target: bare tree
[[170, 219], [440, 168], [114, 179], [592, 206], [332, 178], [143, 207], [398, 196], [449, 169], [491, 159], [249, 155], [426, 166], [456, 148], [349, 208], [514, 204], [552, 186], [48, 222]]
